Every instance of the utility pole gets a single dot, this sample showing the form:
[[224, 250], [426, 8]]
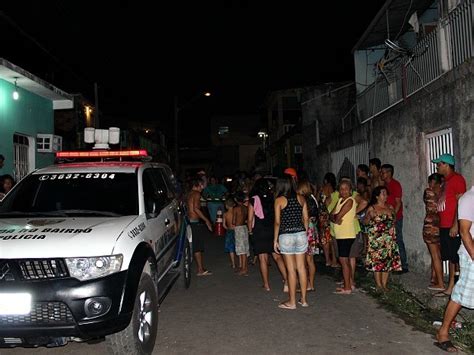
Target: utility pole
[[176, 144], [177, 109], [96, 111]]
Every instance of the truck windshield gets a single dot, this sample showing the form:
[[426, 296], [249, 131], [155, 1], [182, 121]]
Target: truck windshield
[[75, 194]]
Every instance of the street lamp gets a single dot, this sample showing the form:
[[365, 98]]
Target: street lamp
[[16, 95], [177, 109], [264, 136]]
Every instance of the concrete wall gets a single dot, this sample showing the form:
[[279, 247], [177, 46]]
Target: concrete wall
[[397, 137]]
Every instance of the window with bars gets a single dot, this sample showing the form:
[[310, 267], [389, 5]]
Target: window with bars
[[21, 159], [437, 143]]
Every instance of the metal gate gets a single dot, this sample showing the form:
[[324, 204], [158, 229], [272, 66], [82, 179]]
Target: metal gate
[[21, 159], [344, 162], [437, 143]]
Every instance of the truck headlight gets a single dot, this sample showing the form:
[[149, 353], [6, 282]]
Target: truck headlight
[[94, 267]]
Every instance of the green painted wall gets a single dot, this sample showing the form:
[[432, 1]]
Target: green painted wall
[[29, 115]]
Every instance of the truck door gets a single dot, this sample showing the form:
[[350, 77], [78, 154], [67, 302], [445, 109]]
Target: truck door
[[157, 221], [167, 245]]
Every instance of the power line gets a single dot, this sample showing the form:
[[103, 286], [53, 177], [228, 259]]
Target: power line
[[404, 19], [40, 46]]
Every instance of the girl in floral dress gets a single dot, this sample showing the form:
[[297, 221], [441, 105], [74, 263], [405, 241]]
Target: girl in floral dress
[[324, 229], [305, 189], [382, 254]]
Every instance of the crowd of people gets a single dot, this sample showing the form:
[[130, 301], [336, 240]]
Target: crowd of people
[[293, 219]]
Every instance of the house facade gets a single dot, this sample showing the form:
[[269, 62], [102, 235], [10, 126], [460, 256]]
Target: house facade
[[236, 142], [27, 139], [415, 101], [284, 122], [70, 124]]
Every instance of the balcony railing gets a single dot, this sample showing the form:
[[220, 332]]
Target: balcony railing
[[445, 48]]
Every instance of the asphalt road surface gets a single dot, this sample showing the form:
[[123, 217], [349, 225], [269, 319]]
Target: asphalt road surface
[[229, 314]]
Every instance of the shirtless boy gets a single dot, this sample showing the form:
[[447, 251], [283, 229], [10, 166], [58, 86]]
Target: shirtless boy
[[229, 244], [239, 218], [199, 229]]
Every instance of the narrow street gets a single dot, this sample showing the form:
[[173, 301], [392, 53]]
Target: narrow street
[[228, 314]]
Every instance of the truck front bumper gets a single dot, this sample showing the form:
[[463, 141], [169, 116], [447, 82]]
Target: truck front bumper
[[62, 308]]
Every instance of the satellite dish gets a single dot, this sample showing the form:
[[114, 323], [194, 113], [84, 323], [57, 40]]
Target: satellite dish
[[395, 47]]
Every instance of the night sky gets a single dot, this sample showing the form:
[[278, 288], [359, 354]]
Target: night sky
[[143, 53]]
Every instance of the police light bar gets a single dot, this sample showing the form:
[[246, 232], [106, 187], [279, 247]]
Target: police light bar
[[103, 154]]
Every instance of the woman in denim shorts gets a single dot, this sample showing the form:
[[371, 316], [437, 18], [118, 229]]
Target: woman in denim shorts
[[291, 223]]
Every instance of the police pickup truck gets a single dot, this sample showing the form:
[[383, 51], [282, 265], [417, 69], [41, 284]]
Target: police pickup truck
[[89, 250]]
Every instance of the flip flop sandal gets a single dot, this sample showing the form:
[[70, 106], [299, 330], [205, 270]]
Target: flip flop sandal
[[303, 304], [432, 288], [341, 291], [446, 345], [441, 294], [205, 273], [286, 306]]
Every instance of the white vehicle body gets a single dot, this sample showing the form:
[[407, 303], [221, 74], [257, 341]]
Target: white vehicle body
[[82, 233]]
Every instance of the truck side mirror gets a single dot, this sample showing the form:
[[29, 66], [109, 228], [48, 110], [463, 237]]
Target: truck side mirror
[[152, 209]]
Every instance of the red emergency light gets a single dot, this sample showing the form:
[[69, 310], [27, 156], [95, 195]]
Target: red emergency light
[[103, 154]]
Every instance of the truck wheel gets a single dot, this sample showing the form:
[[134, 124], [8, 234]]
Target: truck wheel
[[139, 336], [185, 265]]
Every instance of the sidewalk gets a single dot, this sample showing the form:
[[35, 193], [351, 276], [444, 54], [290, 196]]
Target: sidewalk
[[417, 284], [411, 300]]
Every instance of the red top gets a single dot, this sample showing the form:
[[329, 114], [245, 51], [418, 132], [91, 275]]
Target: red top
[[395, 191], [454, 184]]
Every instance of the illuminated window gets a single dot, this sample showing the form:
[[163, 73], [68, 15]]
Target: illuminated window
[[223, 131]]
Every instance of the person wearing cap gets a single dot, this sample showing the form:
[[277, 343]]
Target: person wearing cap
[[292, 172], [453, 187]]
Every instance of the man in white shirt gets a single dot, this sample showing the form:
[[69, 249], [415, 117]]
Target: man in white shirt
[[463, 292]]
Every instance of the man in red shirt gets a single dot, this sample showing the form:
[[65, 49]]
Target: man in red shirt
[[395, 200], [453, 187]]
